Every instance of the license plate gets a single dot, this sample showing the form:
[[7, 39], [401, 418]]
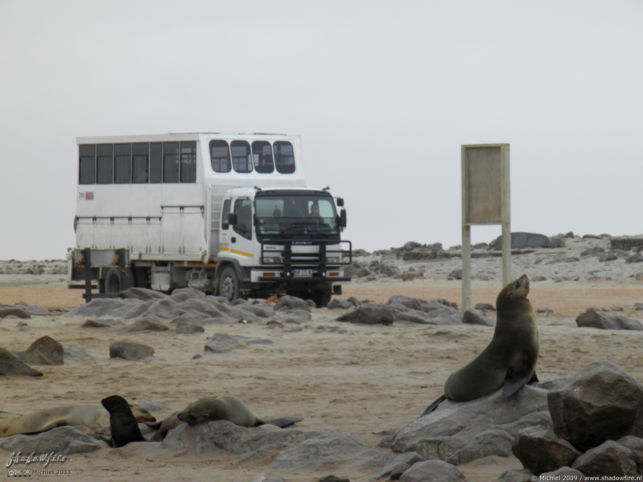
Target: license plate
[[302, 273]]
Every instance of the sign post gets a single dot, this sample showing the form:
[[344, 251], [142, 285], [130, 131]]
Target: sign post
[[485, 200]]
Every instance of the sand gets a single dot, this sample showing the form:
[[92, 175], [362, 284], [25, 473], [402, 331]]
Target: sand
[[369, 379]]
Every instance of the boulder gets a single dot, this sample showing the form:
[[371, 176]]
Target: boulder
[[541, 451], [129, 350], [459, 432], [15, 312], [188, 327], [593, 319], [223, 343], [371, 314], [472, 317], [290, 303], [59, 441], [44, 351], [10, 365], [597, 403], [432, 471], [523, 241], [609, 458], [146, 324]]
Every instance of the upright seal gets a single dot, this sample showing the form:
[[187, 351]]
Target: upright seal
[[509, 361]]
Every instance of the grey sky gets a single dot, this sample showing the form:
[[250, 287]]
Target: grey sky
[[382, 93]]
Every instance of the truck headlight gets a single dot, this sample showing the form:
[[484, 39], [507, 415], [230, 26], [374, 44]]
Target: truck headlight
[[272, 259]]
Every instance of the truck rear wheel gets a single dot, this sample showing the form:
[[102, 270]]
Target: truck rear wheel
[[229, 283], [321, 297]]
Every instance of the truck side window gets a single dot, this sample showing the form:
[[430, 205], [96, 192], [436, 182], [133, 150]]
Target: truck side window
[[105, 164], [225, 213], [262, 157], [220, 156], [87, 164], [243, 209], [284, 157], [241, 157]]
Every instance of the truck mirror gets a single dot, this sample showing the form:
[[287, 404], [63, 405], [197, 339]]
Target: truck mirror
[[340, 201], [342, 218], [232, 219]]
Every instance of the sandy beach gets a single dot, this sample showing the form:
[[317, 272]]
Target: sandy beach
[[355, 378]]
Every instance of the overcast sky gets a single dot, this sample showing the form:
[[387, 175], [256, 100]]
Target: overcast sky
[[383, 94]]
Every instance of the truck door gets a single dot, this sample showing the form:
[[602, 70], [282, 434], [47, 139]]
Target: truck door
[[240, 235]]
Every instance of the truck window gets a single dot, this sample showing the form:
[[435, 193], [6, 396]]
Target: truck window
[[105, 164], [220, 156], [170, 162], [241, 158], [225, 213], [156, 162], [188, 161], [87, 164], [262, 157], [284, 157], [140, 155], [243, 209], [122, 163]]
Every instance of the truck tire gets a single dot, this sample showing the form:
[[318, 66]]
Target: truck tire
[[229, 283], [321, 297], [117, 280]]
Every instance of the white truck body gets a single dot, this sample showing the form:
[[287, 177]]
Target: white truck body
[[149, 213]]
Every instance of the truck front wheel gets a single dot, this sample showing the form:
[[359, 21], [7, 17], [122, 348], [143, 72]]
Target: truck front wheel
[[321, 297], [229, 283]]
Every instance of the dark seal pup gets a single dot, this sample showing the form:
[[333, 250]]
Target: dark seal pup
[[122, 423], [509, 361]]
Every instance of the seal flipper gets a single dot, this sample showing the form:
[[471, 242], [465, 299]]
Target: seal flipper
[[283, 422], [513, 385], [434, 405]]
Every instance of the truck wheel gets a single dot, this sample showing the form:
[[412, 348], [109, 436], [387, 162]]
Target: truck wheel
[[229, 283], [321, 297], [117, 280]]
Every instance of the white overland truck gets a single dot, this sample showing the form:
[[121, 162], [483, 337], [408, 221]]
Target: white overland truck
[[229, 214]]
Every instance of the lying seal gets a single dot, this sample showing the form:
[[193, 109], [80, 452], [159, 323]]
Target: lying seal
[[76, 415], [509, 361], [227, 408], [122, 423]]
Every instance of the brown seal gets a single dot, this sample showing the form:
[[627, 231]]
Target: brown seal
[[509, 361]]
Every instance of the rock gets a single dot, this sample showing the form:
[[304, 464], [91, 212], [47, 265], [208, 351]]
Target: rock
[[296, 316], [461, 432], [597, 403], [627, 242], [432, 470], [484, 307], [339, 304], [517, 475], [145, 324], [31, 310], [455, 274], [76, 353], [635, 258], [223, 343], [433, 312], [15, 312], [188, 327], [609, 458], [593, 319], [104, 323], [61, 441], [371, 314], [563, 473], [44, 351], [470, 317], [399, 465], [10, 365], [541, 451], [290, 303], [412, 275], [143, 294], [523, 241], [638, 306], [603, 258], [129, 350]]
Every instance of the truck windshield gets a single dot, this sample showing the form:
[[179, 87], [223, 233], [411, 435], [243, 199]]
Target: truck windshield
[[287, 215]]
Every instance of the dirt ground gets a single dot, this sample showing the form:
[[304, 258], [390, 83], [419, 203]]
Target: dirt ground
[[363, 381]]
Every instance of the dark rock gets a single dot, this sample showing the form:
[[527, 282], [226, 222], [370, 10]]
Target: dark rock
[[129, 350], [484, 307], [635, 444], [607, 257], [333, 478], [593, 319], [31, 310], [627, 242], [223, 343], [455, 274], [16, 312], [470, 317], [291, 303], [609, 458], [61, 441], [517, 475], [638, 306], [143, 294], [76, 353], [461, 432], [145, 324], [432, 470], [563, 473], [102, 323], [371, 314], [44, 351], [339, 304], [523, 241], [188, 327], [434, 312], [399, 465], [10, 365], [541, 451], [594, 251], [598, 403]]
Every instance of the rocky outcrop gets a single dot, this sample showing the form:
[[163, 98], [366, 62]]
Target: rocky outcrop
[[593, 319]]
